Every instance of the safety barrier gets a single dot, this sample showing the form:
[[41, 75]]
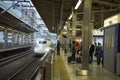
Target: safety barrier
[[46, 67]]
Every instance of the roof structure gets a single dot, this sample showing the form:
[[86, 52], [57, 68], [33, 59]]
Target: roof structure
[[54, 12]]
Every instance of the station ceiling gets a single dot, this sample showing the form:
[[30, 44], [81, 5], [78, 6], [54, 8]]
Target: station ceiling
[[54, 11], [9, 21]]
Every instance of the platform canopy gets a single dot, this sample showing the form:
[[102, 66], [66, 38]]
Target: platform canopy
[[55, 12]]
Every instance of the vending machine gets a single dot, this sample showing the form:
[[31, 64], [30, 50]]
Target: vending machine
[[112, 44]]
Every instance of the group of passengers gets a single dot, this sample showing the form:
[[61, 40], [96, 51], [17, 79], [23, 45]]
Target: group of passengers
[[76, 48], [95, 50]]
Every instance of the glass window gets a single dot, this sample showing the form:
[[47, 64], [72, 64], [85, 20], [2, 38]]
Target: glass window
[[15, 38], [2, 37], [10, 37], [42, 42]]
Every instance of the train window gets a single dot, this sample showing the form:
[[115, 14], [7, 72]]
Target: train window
[[15, 38], [10, 37], [23, 38], [2, 37], [42, 42], [20, 38]]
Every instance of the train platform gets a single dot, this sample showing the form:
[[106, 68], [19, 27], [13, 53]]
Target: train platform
[[59, 69], [97, 72]]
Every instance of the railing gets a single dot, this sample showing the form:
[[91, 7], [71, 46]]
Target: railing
[[46, 67]]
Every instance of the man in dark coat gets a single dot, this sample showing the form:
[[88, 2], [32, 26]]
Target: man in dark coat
[[58, 47], [91, 51], [73, 50], [99, 53]]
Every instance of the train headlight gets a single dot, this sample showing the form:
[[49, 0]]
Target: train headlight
[[47, 49], [35, 49]]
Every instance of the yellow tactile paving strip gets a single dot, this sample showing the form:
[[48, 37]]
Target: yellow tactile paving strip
[[59, 66]]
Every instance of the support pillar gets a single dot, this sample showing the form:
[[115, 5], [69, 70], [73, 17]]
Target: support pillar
[[18, 39], [53, 19], [13, 39], [5, 38], [86, 37], [61, 17], [86, 34], [92, 25], [69, 36], [73, 26], [102, 19]]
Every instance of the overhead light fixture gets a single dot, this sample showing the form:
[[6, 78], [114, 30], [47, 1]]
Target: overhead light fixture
[[66, 22], [76, 29], [70, 17], [78, 4], [65, 27]]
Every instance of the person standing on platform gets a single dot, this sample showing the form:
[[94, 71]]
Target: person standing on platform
[[99, 53], [78, 47], [58, 47], [91, 51], [73, 50], [95, 45]]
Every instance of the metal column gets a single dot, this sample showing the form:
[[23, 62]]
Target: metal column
[[68, 32], [86, 39], [86, 34], [66, 42], [13, 38], [102, 18], [73, 26], [61, 16], [68, 28], [6, 38]]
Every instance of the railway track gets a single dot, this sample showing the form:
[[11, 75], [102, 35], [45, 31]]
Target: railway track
[[9, 59], [12, 64], [22, 66], [27, 71]]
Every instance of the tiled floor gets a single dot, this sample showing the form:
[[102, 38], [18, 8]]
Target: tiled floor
[[96, 72]]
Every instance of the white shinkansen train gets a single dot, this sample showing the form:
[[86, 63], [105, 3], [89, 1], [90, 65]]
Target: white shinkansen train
[[42, 46]]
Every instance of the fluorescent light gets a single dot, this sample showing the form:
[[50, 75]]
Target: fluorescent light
[[76, 29], [70, 17], [65, 27], [78, 4]]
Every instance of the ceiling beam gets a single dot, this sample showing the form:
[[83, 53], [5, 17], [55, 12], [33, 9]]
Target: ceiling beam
[[49, 2], [106, 3], [99, 11]]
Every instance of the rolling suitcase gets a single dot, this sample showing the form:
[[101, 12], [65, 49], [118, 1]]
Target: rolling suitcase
[[78, 60], [70, 59]]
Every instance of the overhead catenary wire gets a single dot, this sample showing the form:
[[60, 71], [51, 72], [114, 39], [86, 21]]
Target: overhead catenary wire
[[14, 21], [45, 31], [8, 8]]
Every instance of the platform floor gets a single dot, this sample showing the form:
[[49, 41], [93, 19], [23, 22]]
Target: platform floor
[[97, 72], [59, 69]]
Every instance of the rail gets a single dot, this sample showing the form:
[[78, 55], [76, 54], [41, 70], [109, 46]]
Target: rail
[[36, 66], [13, 77], [42, 63], [45, 69], [9, 59], [13, 48], [11, 65]]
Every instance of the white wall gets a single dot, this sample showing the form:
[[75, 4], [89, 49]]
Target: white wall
[[98, 39]]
